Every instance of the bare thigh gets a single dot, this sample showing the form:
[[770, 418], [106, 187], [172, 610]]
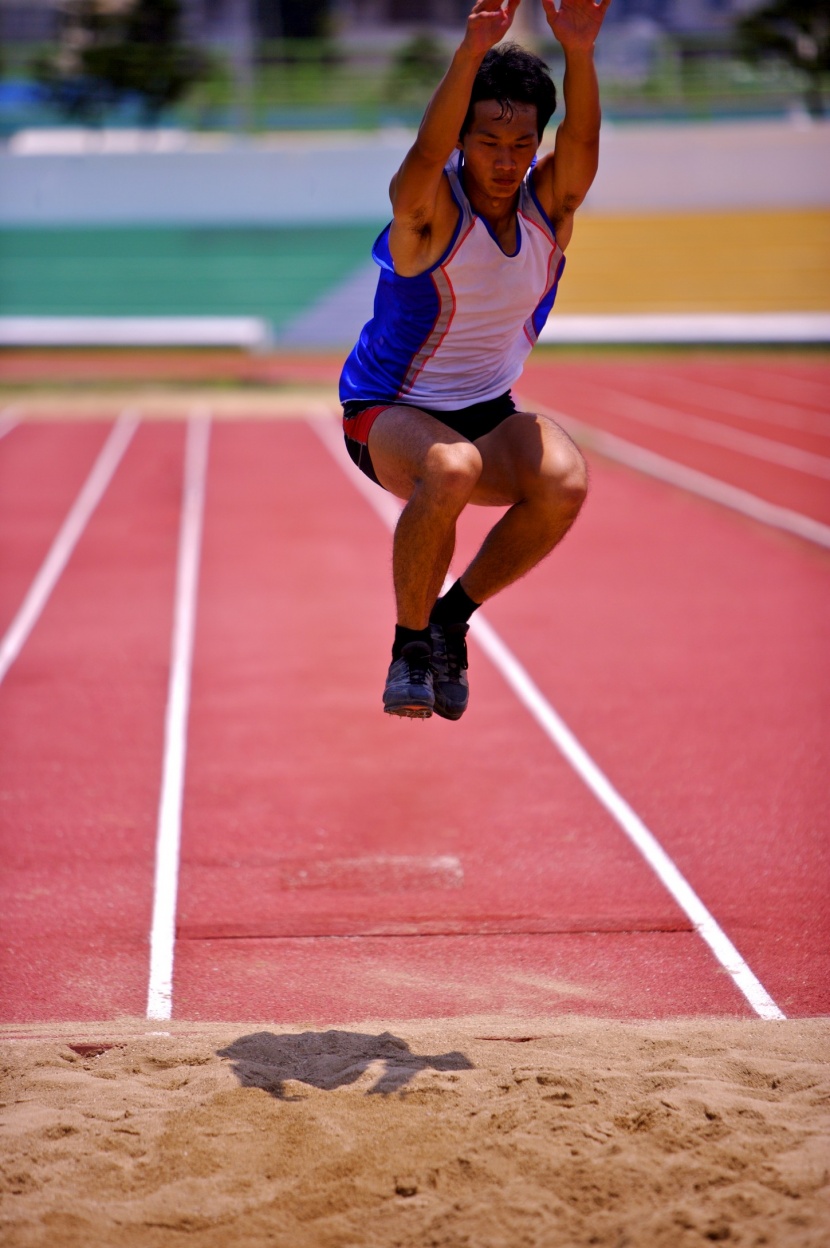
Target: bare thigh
[[526, 453], [409, 446]]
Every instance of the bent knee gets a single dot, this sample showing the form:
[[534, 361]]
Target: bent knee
[[565, 477], [575, 478], [453, 468]]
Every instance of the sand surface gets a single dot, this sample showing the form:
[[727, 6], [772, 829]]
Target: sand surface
[[477, 1132]]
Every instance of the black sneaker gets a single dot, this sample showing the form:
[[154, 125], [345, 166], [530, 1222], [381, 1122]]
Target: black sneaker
[[408, 689], [449, 669]]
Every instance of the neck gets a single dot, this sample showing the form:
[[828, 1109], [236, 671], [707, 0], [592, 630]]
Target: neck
[[498, 212]]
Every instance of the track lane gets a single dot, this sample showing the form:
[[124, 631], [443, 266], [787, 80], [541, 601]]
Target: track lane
[[319, 792], [795, 382], [42, 469], [82, 713], [778, 484], [766, 414], [711, 417], [291, 758], [66, 539], [585, 767], [324, 981], [696, 672], [727, 839]]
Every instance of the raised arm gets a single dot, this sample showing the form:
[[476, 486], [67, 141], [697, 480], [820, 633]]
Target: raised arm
[[415, 190], [564, 178]]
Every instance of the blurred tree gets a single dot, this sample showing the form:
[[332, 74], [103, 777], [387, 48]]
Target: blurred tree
[[417, 67], [796, 31], [110, 51]]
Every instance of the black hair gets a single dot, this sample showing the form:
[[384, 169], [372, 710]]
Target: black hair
[[511, 75]]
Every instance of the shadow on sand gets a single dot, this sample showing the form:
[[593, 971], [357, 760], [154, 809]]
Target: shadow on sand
[[329, 1060]]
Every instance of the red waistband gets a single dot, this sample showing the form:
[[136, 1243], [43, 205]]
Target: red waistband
[[357, 427]]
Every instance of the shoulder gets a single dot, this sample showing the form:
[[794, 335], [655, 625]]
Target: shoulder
[[418, 240], [558, 208]]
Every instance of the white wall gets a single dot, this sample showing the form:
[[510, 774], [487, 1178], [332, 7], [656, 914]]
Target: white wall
[[318, 179], [784, 164]]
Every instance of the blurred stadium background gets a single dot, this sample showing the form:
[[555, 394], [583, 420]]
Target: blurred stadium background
[[229, 159]]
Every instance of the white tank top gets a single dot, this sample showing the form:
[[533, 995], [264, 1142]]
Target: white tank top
[[459, 333]]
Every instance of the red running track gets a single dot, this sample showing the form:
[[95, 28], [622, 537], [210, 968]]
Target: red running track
[[775, 445], [337, 865]]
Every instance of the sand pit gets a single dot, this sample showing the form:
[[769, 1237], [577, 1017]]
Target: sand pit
[[468, 1133]]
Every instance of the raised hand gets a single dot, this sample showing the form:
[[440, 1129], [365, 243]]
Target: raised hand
[[488, 22], [576, 23]]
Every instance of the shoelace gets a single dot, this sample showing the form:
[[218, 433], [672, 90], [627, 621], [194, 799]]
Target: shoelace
[[418, 672], [418, 665]]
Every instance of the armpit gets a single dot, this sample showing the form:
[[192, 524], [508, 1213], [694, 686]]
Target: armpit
[[418, 223]]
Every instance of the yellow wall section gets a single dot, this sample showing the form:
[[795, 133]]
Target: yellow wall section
[[703, 262]]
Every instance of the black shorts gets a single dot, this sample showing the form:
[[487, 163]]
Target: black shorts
[[471, 422]]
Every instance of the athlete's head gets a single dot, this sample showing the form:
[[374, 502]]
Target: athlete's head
[[511, 75]]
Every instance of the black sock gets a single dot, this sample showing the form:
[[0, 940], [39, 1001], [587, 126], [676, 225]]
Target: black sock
[[455, 607], [404, 635]]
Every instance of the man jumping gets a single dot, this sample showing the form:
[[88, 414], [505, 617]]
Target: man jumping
[[469, 268]]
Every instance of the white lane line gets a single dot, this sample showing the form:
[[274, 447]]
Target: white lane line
[[742, 404], [810, 395], [637, 832], [689, 479], [9, 418], [168, 829], [561, 736], [699, 428], [67, 538]]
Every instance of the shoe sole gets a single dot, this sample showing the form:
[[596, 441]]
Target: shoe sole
[[446, 713], [409, 712]]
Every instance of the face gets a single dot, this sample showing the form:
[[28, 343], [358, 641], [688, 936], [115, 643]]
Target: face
[[498, 150]]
